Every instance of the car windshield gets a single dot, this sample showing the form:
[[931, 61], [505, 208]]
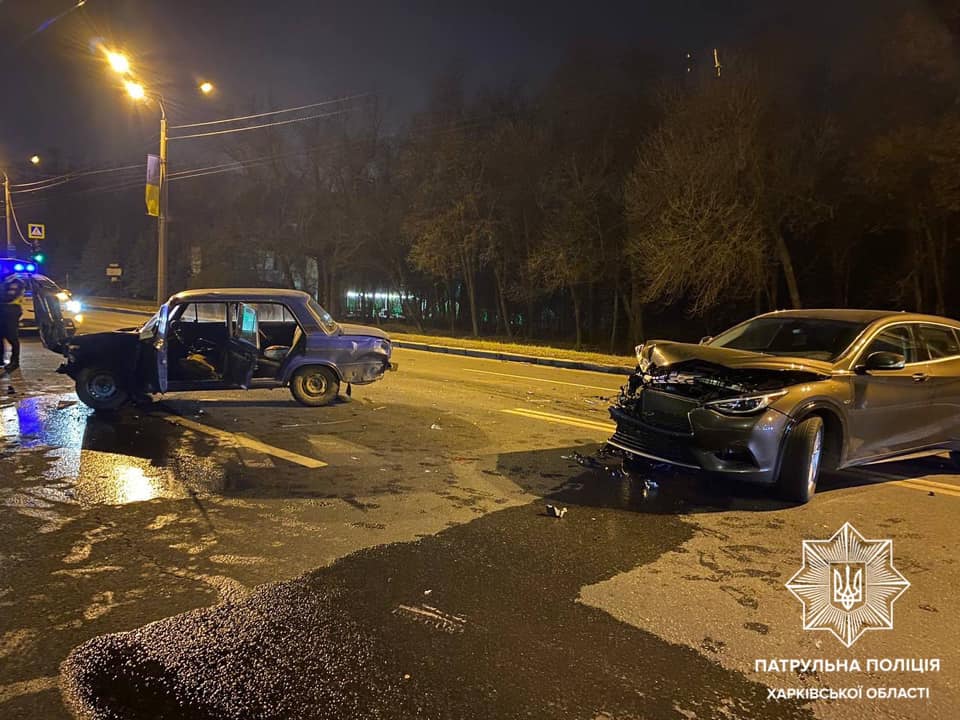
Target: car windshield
[[148, 327], [812, 338], [326, 321]]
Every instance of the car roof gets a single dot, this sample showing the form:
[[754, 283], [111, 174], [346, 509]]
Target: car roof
[[240, 294], [861, 316]]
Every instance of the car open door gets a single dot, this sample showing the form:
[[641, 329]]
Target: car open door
[[160, 345], [46, 308], [243, 345]]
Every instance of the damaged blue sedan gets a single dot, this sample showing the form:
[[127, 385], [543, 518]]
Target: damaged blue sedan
[[223, 339]]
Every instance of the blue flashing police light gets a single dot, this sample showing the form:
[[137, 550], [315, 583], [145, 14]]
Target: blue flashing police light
[[18, 267], [31, 267]]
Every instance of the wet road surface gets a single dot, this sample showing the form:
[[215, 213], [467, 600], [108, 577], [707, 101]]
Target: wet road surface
[[435, 584], [481, 620]]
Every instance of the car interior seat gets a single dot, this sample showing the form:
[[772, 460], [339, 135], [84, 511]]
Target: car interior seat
[[272, 357]]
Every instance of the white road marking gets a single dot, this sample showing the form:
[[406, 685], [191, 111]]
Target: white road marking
[[596, 425], [235, 439], [556, 382]]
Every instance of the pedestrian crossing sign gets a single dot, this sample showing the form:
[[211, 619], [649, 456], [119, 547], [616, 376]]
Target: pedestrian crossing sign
[[36, 231]]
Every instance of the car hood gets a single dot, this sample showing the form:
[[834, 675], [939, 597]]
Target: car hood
[[365, 330], [663, 353], [90, 339]]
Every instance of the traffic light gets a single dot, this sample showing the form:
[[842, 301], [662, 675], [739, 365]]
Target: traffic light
[[38, 257]]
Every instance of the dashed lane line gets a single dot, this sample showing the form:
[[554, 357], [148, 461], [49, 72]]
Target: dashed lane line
[[600, 427], [544, 380], [919, 484], [235, 439]]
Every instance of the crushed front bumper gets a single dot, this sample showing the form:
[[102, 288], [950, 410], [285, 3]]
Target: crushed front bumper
[[747, 448]]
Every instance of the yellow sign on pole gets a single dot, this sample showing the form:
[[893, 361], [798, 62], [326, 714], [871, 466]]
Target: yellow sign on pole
[[36, 231]]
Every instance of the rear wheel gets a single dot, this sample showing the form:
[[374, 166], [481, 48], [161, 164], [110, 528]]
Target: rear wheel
[[800, 464], [314, 386], [100, 389]]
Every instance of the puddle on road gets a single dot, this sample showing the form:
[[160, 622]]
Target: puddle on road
[[65, 453]]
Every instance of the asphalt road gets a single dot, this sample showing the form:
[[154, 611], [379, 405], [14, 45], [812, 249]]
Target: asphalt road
[[391, 556]]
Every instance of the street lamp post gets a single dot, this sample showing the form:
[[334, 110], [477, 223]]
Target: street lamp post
[[8, 209], [162, 210], [135, 90]]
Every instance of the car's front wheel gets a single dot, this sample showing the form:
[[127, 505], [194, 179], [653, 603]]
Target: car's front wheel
[[800, 464], [100, 388], [314, 386]]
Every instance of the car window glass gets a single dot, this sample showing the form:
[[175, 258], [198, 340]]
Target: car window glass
[[204, 312], [815, 338], [897, 339], [940, 341], [246, 324], [273, 313], [326, 321]]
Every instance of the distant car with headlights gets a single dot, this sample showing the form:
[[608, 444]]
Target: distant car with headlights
[[773, 399], [220, 339], [70, 308]]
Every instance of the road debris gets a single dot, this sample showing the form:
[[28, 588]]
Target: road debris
[[436, 426], [447, 622], [557, 512], [64, 404]]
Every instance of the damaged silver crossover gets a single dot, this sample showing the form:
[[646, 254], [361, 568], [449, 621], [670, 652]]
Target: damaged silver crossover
[[777, 397]]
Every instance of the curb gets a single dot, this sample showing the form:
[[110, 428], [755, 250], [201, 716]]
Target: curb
[[455, 350], [515, 357]]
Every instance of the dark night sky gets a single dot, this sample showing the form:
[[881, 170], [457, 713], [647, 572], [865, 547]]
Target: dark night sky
[[58, 95]]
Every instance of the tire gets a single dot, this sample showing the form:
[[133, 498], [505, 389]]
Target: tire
[[314, 386], [100, 388], [800, 464]]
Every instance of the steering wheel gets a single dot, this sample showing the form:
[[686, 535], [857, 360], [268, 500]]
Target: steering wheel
[[202, 346], [175, 327]]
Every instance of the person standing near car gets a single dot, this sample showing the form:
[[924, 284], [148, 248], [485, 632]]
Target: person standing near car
[[12, 292]]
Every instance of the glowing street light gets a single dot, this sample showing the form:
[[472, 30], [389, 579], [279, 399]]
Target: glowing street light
[[35, 159], [135, 90], [118, 62]]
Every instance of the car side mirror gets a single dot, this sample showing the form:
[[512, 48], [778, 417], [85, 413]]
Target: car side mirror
[[884, 361], [705, 339]]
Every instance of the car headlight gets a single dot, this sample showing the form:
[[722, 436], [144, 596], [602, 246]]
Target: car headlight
[[73, 306], [745, 404]]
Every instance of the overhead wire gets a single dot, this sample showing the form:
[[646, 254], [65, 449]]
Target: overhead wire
[[271, 112], [16, 224], [258, 127], [237, 165], [66, 177]]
